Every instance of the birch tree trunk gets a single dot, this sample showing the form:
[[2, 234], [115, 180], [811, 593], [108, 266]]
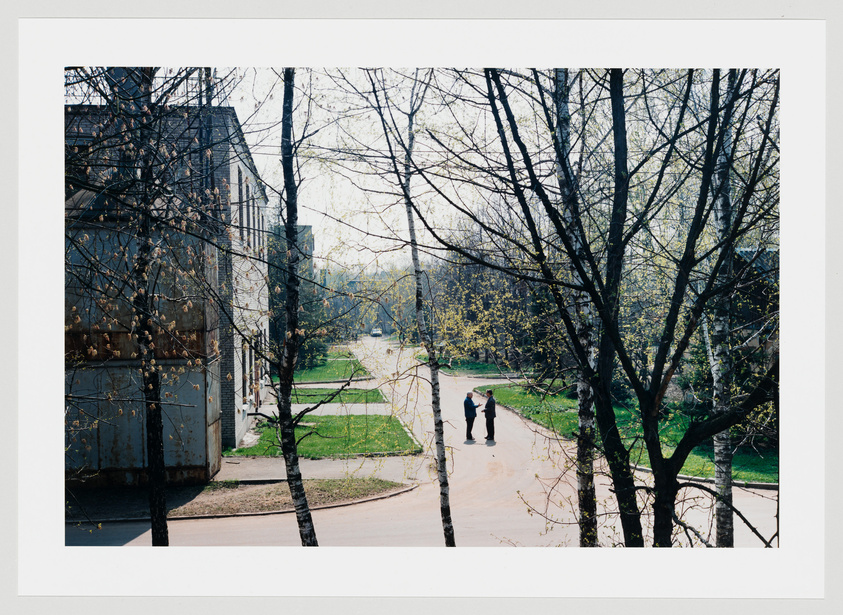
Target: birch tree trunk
[[587, 500], [720, 353], [286, 368], [617, 454], [416, 99], [586, 494], [666, 470]]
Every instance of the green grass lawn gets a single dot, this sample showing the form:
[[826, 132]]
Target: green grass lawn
[[747, 465], [465, 367], [554, 412], [341, 365], [333, 370], [339, 436], [515, 396], [348, 396], [559, 414]]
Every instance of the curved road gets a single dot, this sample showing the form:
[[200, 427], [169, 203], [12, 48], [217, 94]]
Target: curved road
[[499, 492]]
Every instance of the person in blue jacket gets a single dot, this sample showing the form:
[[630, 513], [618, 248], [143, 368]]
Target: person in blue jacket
[[470, 415]]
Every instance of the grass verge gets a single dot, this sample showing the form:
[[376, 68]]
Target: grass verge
[[748, 464], [465, 367], [348, 396], [340, 365], [338, 436], [556, 412]]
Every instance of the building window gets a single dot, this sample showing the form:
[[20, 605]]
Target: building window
[[240, 201], [253, 372], [248, 216], [245, 371]]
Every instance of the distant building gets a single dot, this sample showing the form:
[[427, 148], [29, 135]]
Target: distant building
[[219, 316]]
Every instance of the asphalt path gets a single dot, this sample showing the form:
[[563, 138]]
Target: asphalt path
[[518, 491]]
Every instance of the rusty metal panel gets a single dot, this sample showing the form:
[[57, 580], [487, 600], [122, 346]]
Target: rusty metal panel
[[106, 477], [81, 428], [106, 432], [122, 431], [95, 320], [190, 475], [98, 346], [112, 445], [185, 424], [214, 392], [95, 407]]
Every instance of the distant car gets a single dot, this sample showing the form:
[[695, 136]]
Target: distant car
[[376, 332]]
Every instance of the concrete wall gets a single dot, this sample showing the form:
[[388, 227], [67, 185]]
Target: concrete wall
[[105, 408]]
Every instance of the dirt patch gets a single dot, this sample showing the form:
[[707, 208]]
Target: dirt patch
[[218, 498]]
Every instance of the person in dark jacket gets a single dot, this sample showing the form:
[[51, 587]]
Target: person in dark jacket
[[489, 411], [470, 414]]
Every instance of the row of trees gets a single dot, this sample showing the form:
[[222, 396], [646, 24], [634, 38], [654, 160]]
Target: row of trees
[[166, 260]]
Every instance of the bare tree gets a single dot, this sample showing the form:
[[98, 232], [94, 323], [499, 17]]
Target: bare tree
[[719, 339], [404, 176], [290, 346], [582, 315]]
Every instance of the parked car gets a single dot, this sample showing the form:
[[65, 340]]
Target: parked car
[[376, 332]]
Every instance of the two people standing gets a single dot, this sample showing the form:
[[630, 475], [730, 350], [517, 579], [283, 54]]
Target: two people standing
[[471, 414]]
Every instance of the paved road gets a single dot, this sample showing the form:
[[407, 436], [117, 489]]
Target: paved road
[[499, 491]]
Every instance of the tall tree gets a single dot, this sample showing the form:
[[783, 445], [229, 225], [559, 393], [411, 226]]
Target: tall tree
[[404, 175], [142, 312], [297, 316], [582, 314], [290, 346], [720, 352]]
